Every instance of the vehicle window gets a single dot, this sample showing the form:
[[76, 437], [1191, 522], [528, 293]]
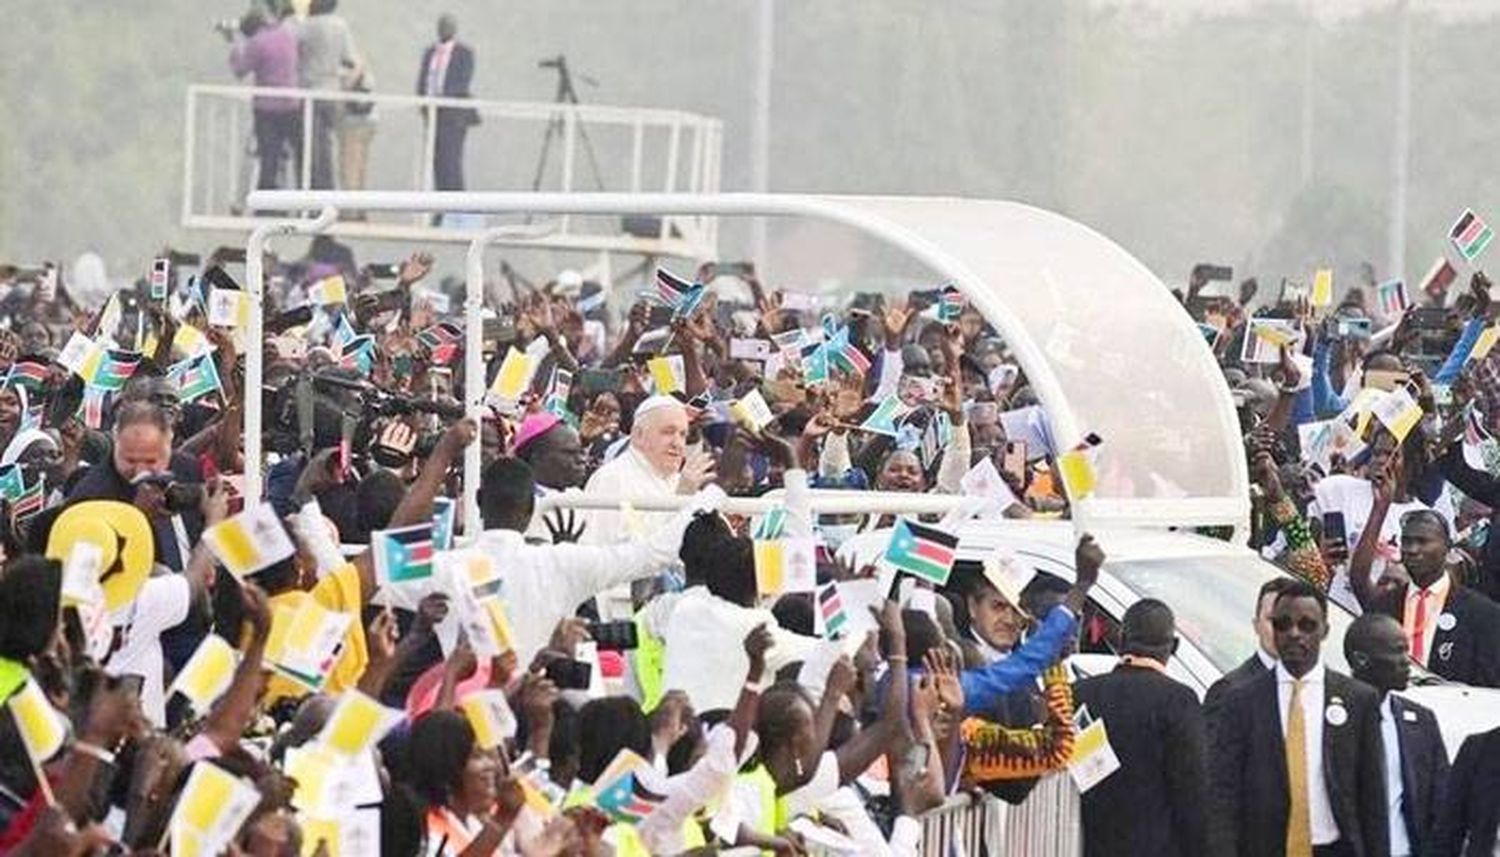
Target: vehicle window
[[1214, 601]]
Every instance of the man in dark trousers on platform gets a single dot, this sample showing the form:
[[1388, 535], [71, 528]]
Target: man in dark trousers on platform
[[447, 69], [1155, 804], [1297, 768], [1416, 763]]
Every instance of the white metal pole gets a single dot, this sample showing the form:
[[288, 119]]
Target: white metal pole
[[760, 120], [474, 354], [255, 281], [1400, 143], [190, 134]]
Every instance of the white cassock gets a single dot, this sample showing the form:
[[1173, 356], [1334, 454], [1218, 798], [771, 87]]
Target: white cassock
[[629, 474]]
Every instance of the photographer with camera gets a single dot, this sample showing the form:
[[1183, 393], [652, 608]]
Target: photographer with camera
[[266, 50]]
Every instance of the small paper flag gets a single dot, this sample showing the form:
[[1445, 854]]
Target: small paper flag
[[40, 726], [883, 419], [514, 376], [1398, 412], [329, 290], [1322, 288], [926, 552], [490, 715], [666, 373], [831, 615], [357, 724], [1470, 235], [1485, 343], [403, 555], [228, 308], [250, 541], [207, 674], [786, 565], [1077, 472], [444, 513], [210, 810], [752, 412]]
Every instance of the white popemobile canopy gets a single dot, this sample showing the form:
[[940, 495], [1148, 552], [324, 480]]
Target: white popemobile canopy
[[1105, 345]]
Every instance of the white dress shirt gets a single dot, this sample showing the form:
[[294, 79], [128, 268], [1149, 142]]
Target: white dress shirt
[[1325, 830], [1430, 611], [545, 583], [1394, 790], [705, 652], [1267, 659]]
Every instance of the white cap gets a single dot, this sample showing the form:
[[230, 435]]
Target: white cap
[[569, 282], [1009, 575], [655, 403]]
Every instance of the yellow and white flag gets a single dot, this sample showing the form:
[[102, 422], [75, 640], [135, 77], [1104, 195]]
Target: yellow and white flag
[[1322, 288], [209, 812], [1398, 412], [329, 290], [208, 673], [668, 374], [228, 308], [752, 411], [1076, 467], [304, 638], [357, 724], [250, 541], [40, 726], [514, 375], [490, 715], [189, 341]]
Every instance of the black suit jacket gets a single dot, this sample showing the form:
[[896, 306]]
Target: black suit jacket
[[1468, 652], [1471, 809], [1213, 701], [456, 79], [1154, 804], [1248, 778], [1424, 770]]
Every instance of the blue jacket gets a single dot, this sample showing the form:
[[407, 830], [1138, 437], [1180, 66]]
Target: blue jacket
[[984, 686]]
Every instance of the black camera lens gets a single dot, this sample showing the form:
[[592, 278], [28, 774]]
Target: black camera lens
[[180, 497]]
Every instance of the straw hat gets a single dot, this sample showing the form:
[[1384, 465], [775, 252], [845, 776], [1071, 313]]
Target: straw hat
[[123, 536]]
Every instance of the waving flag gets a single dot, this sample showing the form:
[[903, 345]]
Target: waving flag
[[210, 810], [189, 341], [831, 615], [680, 295], [1438, 278], [1391, 297], [31, 501], [950, 304], [883, 419], [40, 725], [112, 368], [403, 555], [27, 374], [344, 333], [846, 355], [195, 377], [207, 674], [441, 341], [444, 510], [621, 794], [12, 482], [815, 364], [491, 716], [772, 525], [926, 552], [1470, 235], [359, 354]]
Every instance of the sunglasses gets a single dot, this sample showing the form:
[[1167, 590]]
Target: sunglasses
[[1305, 625]]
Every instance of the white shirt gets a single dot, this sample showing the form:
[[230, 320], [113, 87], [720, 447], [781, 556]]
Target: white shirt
[[1437, 598], [1325, 829], [161, 605], [711, 777], [1267, 659], [546, 583], [1394, 790], [705, 652]]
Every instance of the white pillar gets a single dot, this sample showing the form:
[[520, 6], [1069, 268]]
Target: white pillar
[[1400, 144], [760, 119]]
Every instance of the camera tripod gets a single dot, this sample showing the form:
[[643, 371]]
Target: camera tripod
[[556, 126]]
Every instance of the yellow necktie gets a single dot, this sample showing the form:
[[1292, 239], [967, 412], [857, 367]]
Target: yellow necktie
[[1298, 820]]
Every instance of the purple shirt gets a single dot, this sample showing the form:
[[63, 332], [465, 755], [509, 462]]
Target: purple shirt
[[271, 55]]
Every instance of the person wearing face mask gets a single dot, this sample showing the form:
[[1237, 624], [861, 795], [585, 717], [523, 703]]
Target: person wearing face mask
[[1450, 629], [1416, 762]]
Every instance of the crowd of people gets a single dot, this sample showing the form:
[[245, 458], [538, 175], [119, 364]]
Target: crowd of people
[[333, 669]]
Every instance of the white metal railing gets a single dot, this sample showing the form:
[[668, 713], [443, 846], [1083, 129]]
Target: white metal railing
[[637, 149], [1048, 823]]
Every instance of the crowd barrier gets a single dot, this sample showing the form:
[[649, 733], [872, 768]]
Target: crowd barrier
[[1046, 824]]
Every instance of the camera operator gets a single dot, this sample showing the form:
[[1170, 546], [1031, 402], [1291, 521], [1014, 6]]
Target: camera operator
[[267, 50], [143, 469]]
